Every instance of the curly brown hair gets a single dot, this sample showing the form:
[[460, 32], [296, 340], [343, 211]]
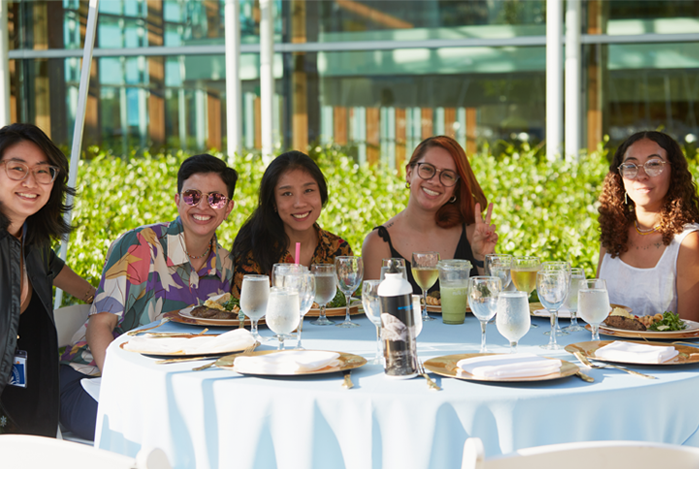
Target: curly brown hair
[[681, 204]]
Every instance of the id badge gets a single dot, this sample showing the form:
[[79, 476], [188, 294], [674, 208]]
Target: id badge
[[19, 369]]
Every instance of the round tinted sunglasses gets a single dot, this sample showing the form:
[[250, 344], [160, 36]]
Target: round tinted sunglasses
[[193, 196]]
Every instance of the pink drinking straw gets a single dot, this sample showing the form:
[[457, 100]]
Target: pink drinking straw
[[298, 253]]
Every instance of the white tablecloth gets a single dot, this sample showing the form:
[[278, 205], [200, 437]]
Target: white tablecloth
[[219, 419]]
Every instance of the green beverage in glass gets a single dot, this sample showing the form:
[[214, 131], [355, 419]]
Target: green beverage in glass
[[453, 287]]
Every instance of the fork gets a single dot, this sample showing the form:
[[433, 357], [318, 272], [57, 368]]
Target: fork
[[421, 372], [247, 351], [597, 364]]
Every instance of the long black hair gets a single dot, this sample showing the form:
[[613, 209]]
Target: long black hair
[[47, 223], [263, 233]]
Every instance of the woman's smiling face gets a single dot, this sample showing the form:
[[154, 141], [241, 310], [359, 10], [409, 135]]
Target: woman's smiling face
[[298, 201], [646, 191], [431, 193]]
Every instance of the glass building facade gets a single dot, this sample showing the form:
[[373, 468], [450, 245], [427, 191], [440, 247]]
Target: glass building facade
[[377, 76]]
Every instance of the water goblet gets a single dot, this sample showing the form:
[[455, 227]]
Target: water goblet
[[558, 266], [576, 274], [425, 274], [254, 295], [513, 318], [282, 314], [552, 289], [397, 263], [304, 284], [279, 269], [483, 294], [372, 309], [593, 303], [350, 271], [326, 287], [499, 265]]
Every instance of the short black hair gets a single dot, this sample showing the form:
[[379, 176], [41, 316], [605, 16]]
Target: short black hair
[[205, 164], [49, 222]]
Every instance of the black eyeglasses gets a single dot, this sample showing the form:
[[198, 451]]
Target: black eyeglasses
[[193, 196], [653, 167], [18, 171], [426, 171]]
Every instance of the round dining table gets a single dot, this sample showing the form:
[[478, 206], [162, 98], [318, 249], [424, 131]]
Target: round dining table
[[217, 418]]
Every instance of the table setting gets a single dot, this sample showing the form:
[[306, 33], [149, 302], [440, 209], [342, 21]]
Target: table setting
[[259, 406]]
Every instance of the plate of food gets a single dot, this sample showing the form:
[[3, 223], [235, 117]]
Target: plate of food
[[637, 352], [218, 311], [434, 303], [447, 366], [291, 362], [190, 345], [538, 310], [667, 325]]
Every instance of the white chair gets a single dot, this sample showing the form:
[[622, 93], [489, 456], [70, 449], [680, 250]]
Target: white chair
[[68, 321], [615, 454], [38, 452]]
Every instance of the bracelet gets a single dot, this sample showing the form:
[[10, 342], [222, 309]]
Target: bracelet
[[479, 264]]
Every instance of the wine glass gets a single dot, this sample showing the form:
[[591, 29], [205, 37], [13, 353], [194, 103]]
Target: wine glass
[[576, 274], [552, 288], [425, 274], [304, 284], [282, 314], [326, 288], [513, 318], [593, 303], [350, 271], [372, 309], [254, 295], [417, 324], [523, 272], [558, 266], [482, 298], [279, 269], [499, 265]]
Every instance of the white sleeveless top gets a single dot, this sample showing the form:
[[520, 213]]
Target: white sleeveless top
[[646, 290]]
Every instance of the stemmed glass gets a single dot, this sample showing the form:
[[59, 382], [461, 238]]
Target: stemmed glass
[[282, 312], [280, 269], [254, 295], [326, 287], [499, 265], [558, 266], [483, 294], [593, 304], [425, 274], [524, 269], [372, 309], [350, 271], [513, 318], [576, 274], [397, 263], [552, 288], [305, 285]]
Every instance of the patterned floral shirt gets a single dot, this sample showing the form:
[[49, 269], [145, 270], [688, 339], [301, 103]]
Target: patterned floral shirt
[[146, 274], [329, 247]]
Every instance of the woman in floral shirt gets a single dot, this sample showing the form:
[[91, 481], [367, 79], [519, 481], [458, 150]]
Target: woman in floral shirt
[[292, 194], [149, 271]]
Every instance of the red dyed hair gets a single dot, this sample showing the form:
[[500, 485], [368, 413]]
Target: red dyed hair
[[467, 190]]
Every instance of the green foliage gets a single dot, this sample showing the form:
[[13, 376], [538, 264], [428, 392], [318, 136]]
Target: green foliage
[[542, 208]]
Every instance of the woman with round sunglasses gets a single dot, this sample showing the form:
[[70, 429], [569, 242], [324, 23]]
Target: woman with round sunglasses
[[33, 188], [649, 211], [443, 213], [150, 271], [293, 192]]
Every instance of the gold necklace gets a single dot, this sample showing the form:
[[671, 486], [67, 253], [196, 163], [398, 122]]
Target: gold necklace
[[645, 231], [206, 252]]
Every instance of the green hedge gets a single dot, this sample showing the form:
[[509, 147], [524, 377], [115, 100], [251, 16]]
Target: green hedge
[[542, 208]]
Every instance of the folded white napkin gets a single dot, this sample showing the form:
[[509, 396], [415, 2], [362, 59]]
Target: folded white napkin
[[636, 353], [562, 313], [286, 362], [509, 366], [235, 340]]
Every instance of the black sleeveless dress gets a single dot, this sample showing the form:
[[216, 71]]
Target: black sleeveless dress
[[34, 408], [463, 251]]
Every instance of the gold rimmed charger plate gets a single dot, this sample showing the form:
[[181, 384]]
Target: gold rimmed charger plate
[[355, 306], [181, 354], [184, 317], [688, 354], [446, 366], [348, 361], [534, 306], [692, 331]]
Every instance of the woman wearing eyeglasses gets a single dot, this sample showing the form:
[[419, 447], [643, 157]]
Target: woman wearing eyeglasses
[[33, 187], [648, 219], [149, 271], [443, 213], [292, 194]]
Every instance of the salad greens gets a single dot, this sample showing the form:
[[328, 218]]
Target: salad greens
[[669, 322], [232, 302]]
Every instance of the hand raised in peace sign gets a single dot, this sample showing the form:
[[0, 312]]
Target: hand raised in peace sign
[[484, 236]]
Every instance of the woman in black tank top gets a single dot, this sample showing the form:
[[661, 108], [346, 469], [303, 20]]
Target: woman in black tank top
[[443, 213]]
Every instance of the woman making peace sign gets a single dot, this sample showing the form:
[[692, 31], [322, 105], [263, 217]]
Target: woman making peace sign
[[443, 213]]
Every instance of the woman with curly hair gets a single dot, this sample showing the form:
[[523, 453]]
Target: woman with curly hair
[[649, 214]]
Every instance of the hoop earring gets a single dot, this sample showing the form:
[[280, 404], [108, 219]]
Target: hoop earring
[[407, 185], [452, 199], [626, 198]]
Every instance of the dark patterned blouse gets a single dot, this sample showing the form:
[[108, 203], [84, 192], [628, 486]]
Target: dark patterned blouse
[[329, 247]]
